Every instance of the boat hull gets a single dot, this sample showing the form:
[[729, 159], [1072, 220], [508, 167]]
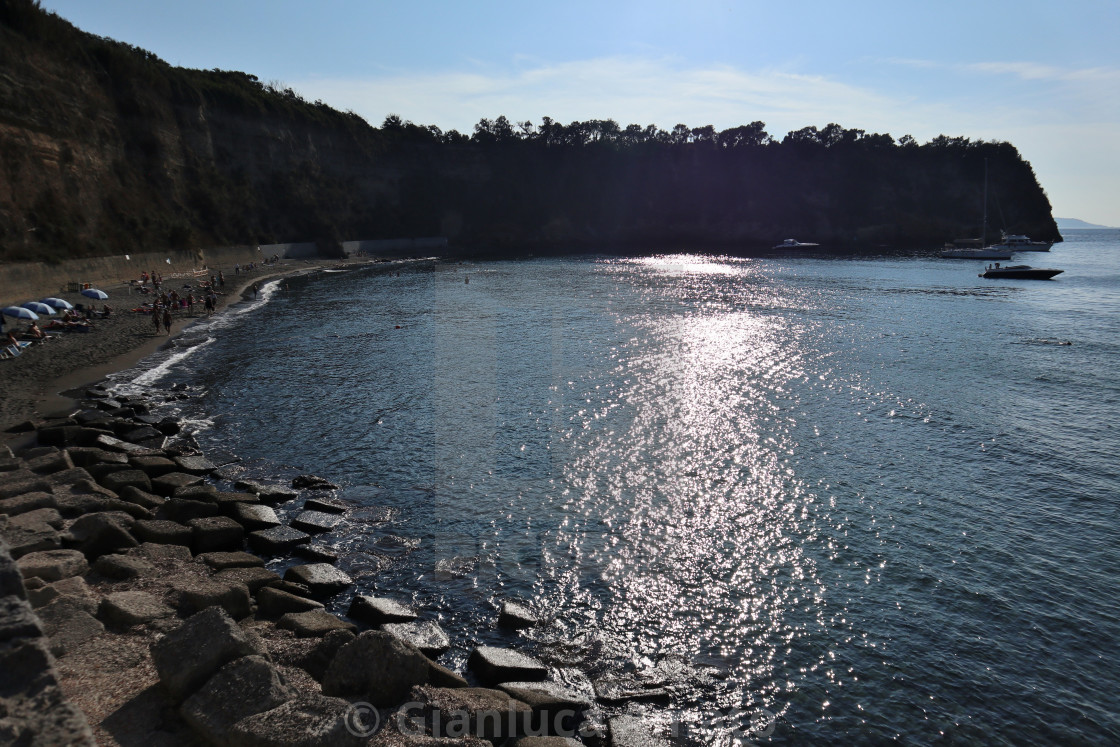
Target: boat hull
[[1030, 273]]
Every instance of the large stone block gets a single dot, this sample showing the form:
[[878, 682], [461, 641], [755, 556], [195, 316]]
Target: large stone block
[[497, 665], [242, 688], [53, 565], [212, 639], [378, 667], [323, 579]]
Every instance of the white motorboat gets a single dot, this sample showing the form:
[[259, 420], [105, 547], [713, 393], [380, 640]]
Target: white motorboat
[[795, 244]]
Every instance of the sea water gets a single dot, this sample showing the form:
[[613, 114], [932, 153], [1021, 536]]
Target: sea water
[[868, 497]]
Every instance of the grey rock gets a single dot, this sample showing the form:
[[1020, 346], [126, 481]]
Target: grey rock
[[255, 578], [21, 481], [326, 504], [271, 494], [50, 463], [548, 696], [379, 610], [133, 494], [119, 480], [253, 516], [161, 553], [122, 567], [74, 589], [323, 579], [320, 657], [376, 666], [497, 665], [87, 456], [273, 602], [242, 688], [425, 635], [183, 510], [68, 625], [102, 533], [143, 433], [278, 540], [197, 492], [317, 552], [441, 676], [199, 594], [28, 536], [109, 443], [162, 532], [21, 504], [53, 565], [133, 608], [35, 710], [312, 720], [195, 465], [515, 615], [215, 533], [211, 637], [166, 485], [221, 560], [313, 623], [316, 522], [152, 466], [493, 714], [17, 619]]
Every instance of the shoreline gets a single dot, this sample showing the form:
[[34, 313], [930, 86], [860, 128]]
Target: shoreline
[[33, 387]]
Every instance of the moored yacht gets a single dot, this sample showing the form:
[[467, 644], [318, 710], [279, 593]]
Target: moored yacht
[[1020, 243]]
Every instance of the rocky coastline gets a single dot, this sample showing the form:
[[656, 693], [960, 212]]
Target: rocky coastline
[[137, 608]]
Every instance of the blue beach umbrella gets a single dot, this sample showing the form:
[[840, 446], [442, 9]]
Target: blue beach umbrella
[[94, 293], [57, 303], [19, 312], [39, 308]]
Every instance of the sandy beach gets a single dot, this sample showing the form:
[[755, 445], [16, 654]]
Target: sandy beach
[[35, 383]]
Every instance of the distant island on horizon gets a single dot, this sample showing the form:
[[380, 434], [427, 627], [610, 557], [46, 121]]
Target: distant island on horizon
[[1076, 223]]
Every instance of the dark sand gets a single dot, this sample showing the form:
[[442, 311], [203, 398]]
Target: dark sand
[[34, 384]]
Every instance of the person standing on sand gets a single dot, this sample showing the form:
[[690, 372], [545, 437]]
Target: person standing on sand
[[255, 289], [167, 320], [190, 304], [155, 317], [209, 305]]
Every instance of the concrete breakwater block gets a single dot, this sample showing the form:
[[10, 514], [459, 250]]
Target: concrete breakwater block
[[244, 687], [379, 610], [377, 667], [278, 540], [271, 494], [323, 579], [316, 522], [211, 637], [425, 635], [326, 505], [515, 615], [496, 665]]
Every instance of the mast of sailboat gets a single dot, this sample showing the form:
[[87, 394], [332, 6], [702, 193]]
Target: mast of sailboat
[[984, 235]]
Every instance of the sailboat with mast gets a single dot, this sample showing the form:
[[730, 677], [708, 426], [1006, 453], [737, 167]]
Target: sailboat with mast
[[974, 248]]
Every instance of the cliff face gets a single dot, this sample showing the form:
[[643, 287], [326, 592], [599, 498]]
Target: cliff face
[[105, 149]]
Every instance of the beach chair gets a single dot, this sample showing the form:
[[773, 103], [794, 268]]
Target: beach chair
[[13, 351]]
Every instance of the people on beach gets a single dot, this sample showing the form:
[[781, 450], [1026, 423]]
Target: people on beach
[[221, 279], [190, 304], [255, 289], [167, 320], [209, 305], [156, 318]]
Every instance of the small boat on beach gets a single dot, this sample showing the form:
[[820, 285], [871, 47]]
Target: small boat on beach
[[795, 244], [1021, 272]]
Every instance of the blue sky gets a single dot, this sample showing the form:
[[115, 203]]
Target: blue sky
[[1044, 76]]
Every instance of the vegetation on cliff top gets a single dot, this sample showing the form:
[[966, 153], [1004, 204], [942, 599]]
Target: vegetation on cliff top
[[105, 148]]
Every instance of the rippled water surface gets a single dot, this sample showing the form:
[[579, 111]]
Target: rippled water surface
[[875, 496]]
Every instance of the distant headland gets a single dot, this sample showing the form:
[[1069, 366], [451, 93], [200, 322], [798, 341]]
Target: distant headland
[[1076, 223]]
